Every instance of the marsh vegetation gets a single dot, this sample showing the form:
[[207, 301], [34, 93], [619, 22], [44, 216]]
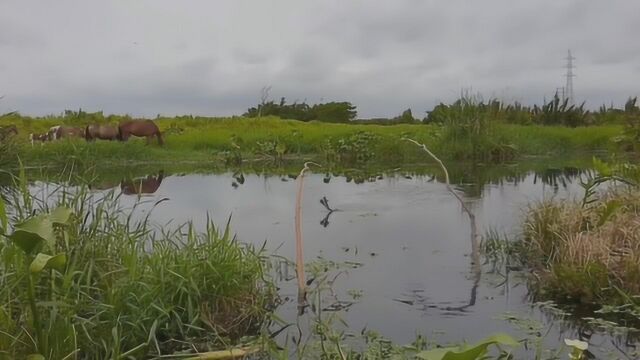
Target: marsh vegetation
[[82, 279], [119, 277]]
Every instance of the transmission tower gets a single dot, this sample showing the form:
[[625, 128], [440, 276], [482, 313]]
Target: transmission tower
[[568, 89]]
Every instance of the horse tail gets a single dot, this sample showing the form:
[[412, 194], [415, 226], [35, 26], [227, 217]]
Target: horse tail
[[87, 134]]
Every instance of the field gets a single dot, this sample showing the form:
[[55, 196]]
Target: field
[[232, 140]]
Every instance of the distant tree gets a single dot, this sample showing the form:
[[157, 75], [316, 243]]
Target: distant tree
[[329, 112], [438, 115], [405, 117], [334, 112]]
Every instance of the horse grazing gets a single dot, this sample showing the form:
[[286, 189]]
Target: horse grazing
[[148, 185], [102, 132], [141, 128], [61, 132], [7, 132], [42, 138]]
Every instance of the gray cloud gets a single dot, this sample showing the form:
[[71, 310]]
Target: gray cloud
[[205, 57]]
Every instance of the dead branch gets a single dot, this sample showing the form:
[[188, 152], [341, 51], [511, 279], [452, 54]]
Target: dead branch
[[475, 243]]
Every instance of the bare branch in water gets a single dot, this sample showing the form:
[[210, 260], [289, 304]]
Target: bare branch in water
[[475, 243]]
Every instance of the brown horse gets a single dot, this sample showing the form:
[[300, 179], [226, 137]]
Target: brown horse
[[61, 132], [102, 132], [141, 128], [7, 132], [148, 185]]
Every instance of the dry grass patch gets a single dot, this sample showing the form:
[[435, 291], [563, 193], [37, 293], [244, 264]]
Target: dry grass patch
[[586, 254]]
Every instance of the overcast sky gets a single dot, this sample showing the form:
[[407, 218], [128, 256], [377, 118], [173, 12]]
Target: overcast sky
[[213, 57]]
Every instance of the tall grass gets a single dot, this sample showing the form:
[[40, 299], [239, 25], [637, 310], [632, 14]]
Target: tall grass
[[586, 254], [469, 131], [126, 289]]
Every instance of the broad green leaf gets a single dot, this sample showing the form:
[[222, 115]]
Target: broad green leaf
[[35, 357], [60, 215], [472, 352], [29, 234], [44, 261], [3, 216]]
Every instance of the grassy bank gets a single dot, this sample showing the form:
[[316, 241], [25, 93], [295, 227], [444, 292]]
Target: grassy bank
[[233, 139], [588, 254], [587, 250], [81, 279]]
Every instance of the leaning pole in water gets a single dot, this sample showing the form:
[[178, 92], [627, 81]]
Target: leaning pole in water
[[299, 244]]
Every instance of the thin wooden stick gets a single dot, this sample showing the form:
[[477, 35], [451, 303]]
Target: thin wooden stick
[[299, 243]]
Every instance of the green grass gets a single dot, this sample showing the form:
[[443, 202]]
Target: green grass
[[203, 140], [126, 289], [550, 140]]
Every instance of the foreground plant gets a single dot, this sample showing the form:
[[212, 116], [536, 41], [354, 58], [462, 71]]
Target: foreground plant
[[87, 281], [32, 236]]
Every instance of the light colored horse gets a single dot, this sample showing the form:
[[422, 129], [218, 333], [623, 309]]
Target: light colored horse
[[42, 138]]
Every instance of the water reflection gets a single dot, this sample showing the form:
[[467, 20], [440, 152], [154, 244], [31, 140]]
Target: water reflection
[[473, 180], [146, 185], [139, 186]]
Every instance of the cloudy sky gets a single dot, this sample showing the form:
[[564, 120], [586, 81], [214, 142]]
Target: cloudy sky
[[213, 57]]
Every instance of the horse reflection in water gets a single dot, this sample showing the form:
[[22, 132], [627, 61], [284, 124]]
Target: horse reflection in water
[[148, 185]]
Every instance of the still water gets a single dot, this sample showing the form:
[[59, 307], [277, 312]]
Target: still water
[[407, 233]]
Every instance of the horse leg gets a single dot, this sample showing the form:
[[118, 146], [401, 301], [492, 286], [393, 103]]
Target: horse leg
[[159, 136]]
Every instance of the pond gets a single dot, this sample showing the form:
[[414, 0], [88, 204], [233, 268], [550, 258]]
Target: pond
[[404, 233]]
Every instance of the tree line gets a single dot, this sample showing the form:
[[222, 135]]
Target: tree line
[[556, 111], [337, 112]]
